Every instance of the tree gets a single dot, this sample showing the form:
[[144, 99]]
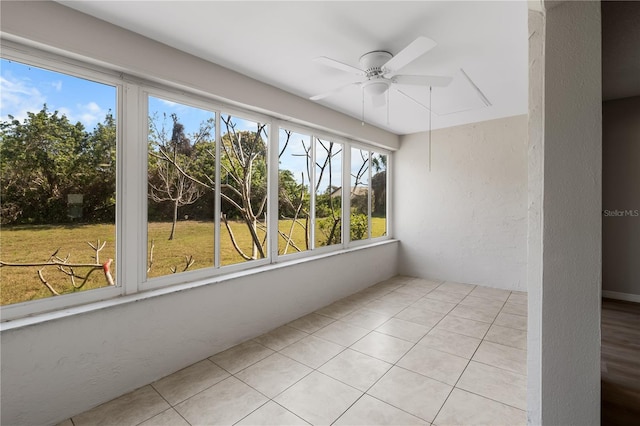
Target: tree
[[45, 158], [170, 159]]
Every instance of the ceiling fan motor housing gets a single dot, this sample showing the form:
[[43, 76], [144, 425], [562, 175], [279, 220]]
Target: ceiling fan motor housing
[[372, 62]]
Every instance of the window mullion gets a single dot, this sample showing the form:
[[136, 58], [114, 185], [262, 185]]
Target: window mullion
[[369, 197], [217, 199], [313, 193], [132, 230], [272, 190], [346, 194]]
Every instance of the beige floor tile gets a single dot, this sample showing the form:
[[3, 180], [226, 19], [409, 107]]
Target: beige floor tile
[[495, 383], [457, 287], [130, 409], [241, 356], [381, 346], [341, 333], [312, 351], [402, 329], [464, 408], [272, 414], [420, 316], [366, 319], [518, 297], [369, 411], [280, 337], [273, 374], [490, 293], [385, 307], [445, 296], [166, 418], [450, 342], [355, 369], [509, 320], [507, 336], [336, 310], [433, 363], [475, 313], [515, 308], [505, 357], [392, 283], [189, 381], [416, 288], [481, 302], [67, 422], [311, 323], [463, 326], [399, 297], [412, 392], [224, 403], [434, 305], [360, 299], [318, 399]]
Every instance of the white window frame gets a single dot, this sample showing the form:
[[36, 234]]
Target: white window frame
[[131, 167], [36, 58]]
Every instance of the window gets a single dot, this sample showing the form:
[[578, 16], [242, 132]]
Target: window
[[294, 178], [195, 187], [181, 187], [368, 195], [328, 194], [57, 183], [243, 181]]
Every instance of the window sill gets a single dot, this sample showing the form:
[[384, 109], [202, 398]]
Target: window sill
[[150, 294]]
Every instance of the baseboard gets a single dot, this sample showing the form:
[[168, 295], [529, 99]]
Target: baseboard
[[621, 296]]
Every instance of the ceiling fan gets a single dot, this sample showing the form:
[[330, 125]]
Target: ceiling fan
[[379, 69]]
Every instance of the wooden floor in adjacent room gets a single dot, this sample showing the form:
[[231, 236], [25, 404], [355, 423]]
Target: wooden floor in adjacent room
[[620, 362]]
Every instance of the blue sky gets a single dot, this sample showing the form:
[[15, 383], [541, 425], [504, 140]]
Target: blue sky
[[25, 89]]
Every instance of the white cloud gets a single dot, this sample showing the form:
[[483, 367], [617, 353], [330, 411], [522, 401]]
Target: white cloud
[[88, 114], [17, 97], [57, 85]]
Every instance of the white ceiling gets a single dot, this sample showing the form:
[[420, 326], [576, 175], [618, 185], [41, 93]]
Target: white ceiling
[[276, 42]]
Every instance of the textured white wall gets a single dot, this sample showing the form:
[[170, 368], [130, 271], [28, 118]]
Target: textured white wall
[[466, 219], [621, 195], [534, 233], [567, 306], [53, 370]]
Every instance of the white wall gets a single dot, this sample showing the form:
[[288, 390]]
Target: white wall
[[466, 219], [53, 370], [621, 197], [564, 302]]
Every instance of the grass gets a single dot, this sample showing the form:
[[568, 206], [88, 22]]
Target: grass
[[36, 243]]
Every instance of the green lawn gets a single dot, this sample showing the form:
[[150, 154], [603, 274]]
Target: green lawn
[[30, 244]]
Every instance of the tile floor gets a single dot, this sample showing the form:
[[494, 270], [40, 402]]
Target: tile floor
[[405, 351]]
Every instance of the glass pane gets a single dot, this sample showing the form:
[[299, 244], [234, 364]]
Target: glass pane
[[293, 192], [359, 194], [243, 177], [328, 193], [378, 195], [181, 175], [57, 183]]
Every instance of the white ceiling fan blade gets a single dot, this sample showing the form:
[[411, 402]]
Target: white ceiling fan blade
[[338, 65], [415, 49], [379, 100], [334, 91], [422, 80]]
